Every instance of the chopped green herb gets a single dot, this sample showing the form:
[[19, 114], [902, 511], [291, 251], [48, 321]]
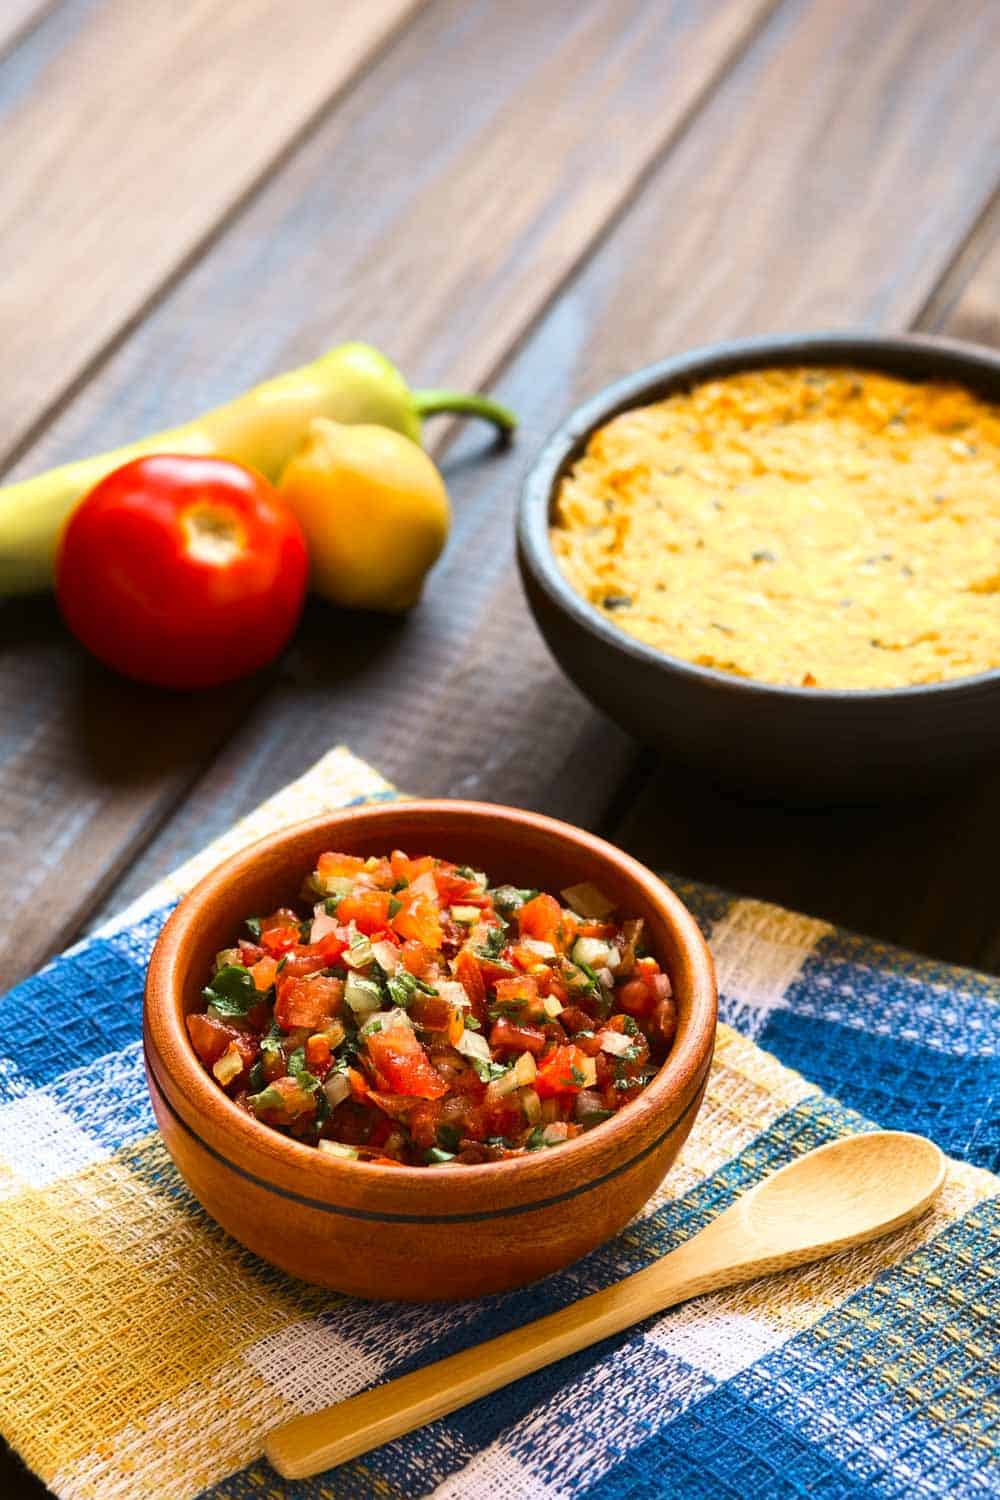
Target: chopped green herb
[[471, 1024], [394, 907], [232, 991], [256, 1080], [436, 1157], [508, 899], [401, 987], [268, 1098], [577, 1077], [253, 927], [494, 944], [400, 885], [489, 1071]]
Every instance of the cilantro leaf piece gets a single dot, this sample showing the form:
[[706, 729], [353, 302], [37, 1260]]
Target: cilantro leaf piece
[[232, 991], [252, 925]]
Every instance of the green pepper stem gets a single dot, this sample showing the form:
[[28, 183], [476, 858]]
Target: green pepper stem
[[433, 403]]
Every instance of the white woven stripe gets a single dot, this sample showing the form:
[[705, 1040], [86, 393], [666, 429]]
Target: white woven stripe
[[312, 1365], [496, 1474], [39, 1144], [182, 1446], [759, 951]]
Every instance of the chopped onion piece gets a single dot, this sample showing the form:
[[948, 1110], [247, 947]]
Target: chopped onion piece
[[615, 1042], [500, 1087], [362, 995], [334, 1033], [474, 1044], [535, 945], [614, 959], [337, 1148], [322, 926], [229, 1065], [386, 956], [525, 1069], [556, 1132], [587, 901], [591, 951], [452, 993], [553, 1007], [336, 1088], [607, 979], [532, 1106], [424, 885]]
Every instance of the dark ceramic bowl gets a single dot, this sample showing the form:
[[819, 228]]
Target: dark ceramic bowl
[[791, 742]]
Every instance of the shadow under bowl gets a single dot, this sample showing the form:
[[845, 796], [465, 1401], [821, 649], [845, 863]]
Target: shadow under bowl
[[794, 743], [412, 1232]]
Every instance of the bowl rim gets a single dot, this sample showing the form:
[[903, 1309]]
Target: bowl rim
[[685, 1070], [708, 362]]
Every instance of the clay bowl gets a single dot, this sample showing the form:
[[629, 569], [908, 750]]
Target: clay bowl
[[411, 1232], [782, 743]]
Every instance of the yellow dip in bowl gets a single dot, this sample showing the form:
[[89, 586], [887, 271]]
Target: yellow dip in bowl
[[819, 527]]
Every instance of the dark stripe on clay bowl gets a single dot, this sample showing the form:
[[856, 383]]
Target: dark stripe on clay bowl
[[482, 1216], [788, 743]]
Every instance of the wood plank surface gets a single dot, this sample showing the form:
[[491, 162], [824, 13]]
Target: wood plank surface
[[128, 151], [441, 243], [807, 214]]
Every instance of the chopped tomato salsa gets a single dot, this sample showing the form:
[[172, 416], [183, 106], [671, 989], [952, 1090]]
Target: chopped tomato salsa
[[407, 1012]]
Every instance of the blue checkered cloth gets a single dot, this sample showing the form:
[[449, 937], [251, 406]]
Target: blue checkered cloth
[[874, 1374]]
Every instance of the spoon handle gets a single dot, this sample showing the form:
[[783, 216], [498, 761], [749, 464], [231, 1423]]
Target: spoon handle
[[309, 1444]]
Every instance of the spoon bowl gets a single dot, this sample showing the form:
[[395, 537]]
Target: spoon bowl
[[854, 1189]]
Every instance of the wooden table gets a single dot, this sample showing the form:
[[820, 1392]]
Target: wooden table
[[533, 198]]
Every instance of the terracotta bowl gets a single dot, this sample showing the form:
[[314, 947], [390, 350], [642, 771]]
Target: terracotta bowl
[[411, 1232]]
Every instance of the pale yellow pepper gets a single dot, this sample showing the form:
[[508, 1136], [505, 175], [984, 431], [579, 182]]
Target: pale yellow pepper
[[374, 510]]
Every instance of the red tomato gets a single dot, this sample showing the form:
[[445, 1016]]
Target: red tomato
[[561, 1072], [403, 1063], [182, 571], [419, 921], [307, 1002], [368, 910], [541, 918]]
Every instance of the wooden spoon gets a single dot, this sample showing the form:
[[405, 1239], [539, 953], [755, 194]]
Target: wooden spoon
[[839, 1195]]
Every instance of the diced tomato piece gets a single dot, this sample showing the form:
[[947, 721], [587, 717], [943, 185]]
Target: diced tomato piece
[[263, 973], [637, 997], [470, 977], [541, 918], [431, 1012], [417, 959], [211, 1038], [455, 889], [278, 940], [338, 866], [512, 1036], [521, 990], [295, 1102], [307, 1002], [404, 1065], [368, 910], [250, 954], [420, 1116], [550, 983], [405, 868], [420, 920], [562, 1072], [318, 1055]]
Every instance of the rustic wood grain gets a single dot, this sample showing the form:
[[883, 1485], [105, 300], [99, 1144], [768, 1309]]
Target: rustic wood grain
[[807, 214], [128, 151], [439, 239]]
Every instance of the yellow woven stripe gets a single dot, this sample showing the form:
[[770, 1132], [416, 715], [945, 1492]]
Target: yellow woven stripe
[[121, 1295]]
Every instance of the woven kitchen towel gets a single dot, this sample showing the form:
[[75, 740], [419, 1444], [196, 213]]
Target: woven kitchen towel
[[143, 1353]]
